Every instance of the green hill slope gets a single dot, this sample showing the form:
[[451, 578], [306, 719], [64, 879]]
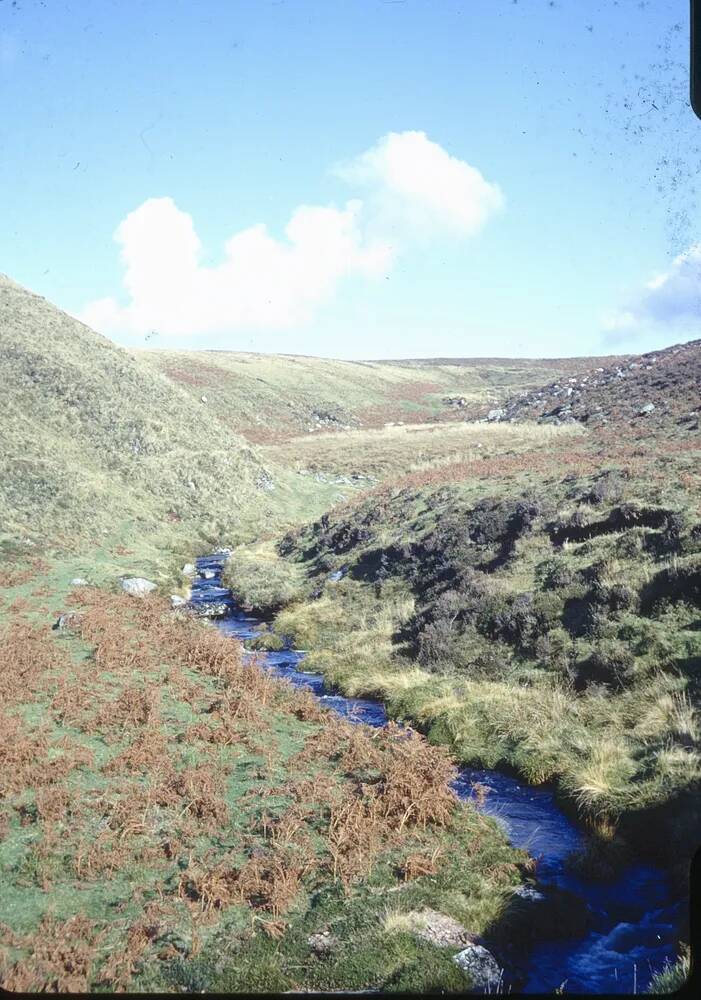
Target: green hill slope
[[91, 435], [271, 398]]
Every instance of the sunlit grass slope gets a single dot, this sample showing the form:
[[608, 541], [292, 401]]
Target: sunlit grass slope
[[270, 398], [380, 453], [537, 608], [90, 435]]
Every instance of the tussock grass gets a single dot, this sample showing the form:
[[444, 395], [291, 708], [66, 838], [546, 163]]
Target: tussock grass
[[384, 452], [610, 754]]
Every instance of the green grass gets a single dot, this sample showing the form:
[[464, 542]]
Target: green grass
[[380, 453], [95, 435], [607, 708], [673, 978], [274, 397], [125, 705]]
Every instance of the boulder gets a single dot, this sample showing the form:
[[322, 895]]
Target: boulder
[[64, 621], [137, 586], [264, 481], [644, 410], [189, 570], [497, 414], [176, 601], [79, 581], [530, 893], [322, 943], [207, 574], [481, 966]]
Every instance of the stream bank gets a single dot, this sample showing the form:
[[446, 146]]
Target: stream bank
[[632, 923]]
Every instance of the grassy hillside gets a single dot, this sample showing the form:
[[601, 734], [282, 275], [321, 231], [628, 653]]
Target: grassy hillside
[[95, 443], [171, 819], [380, 453], [534, 603], [92, 436], [658, 392], [270, 398]]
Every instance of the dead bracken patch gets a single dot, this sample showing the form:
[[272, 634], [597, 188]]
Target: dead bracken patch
[[173, 710], [61, 957]]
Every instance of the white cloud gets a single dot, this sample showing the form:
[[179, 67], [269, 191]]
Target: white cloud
[[669, 300], [418, 188], [262, 282], [415, 187]]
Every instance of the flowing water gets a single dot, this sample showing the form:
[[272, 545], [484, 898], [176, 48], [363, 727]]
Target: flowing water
[[635, 920]]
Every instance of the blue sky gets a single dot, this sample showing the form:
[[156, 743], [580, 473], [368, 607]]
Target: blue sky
[[484, 177]]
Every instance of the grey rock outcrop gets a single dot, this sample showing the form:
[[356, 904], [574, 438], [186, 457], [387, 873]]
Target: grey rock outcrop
[[529, 893], [137, 586]]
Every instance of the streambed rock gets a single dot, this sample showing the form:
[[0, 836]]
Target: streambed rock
[[530, 893], [481, 966], [543, 913], [189, 570], [137, 586], [211, 609]]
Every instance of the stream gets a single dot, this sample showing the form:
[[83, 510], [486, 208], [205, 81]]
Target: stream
[[635, 920]]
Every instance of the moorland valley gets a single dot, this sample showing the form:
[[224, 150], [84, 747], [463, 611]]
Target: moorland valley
[[505, 553]]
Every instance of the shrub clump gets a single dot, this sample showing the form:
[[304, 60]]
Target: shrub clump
[[262, 585]]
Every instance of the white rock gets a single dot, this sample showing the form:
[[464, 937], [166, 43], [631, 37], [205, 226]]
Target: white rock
[[481, 966], [137, 586], [79, 581], [528, 892], [188, 570], [176, 601]]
